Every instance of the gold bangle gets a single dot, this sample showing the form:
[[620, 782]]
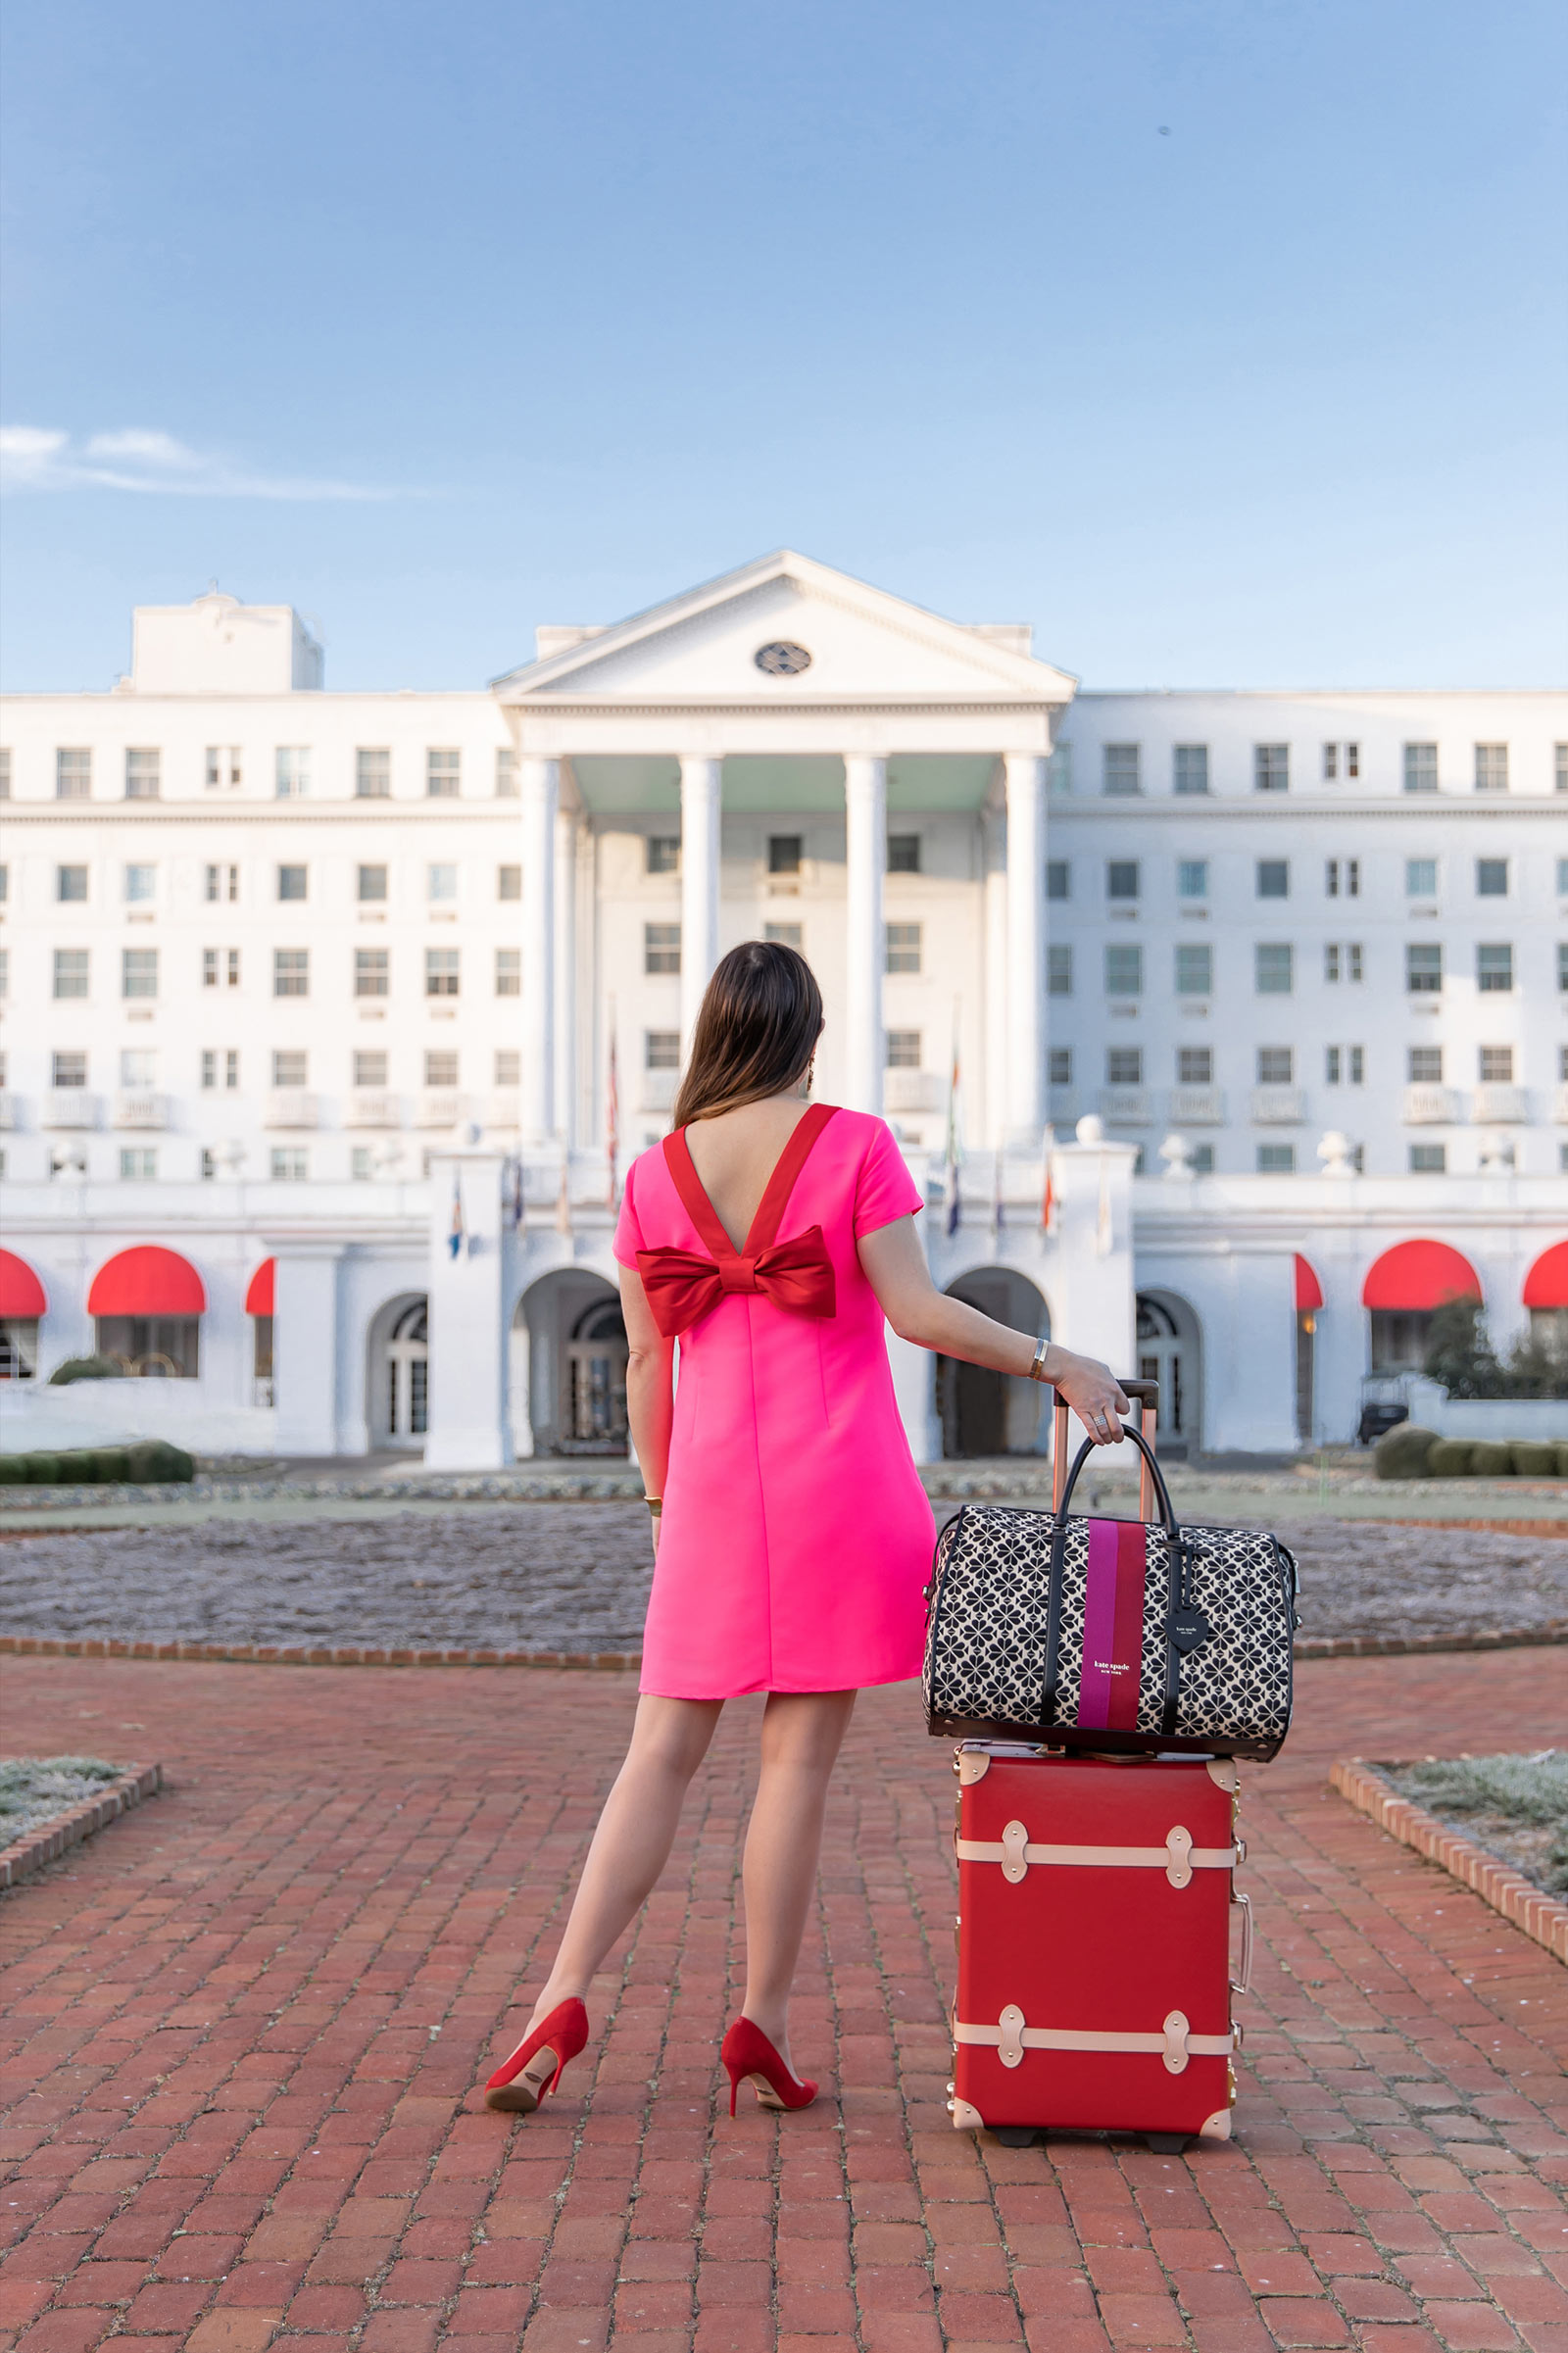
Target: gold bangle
[[655, 1503], [1037, 1368]]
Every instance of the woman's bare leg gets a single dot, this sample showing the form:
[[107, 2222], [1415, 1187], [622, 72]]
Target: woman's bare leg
[[801, 1732], [632, 1842]]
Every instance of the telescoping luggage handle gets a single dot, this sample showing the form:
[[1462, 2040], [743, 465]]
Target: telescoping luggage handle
[[1144, 1395]]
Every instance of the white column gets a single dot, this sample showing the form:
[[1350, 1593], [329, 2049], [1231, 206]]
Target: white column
[[469, 1423], [993, 952], [564, 1042], [539, 784], [306, 1345], [865, 802], [1026, 949], [701, 784]]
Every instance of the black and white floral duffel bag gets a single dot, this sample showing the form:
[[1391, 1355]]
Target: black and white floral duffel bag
[[1110, 1635]]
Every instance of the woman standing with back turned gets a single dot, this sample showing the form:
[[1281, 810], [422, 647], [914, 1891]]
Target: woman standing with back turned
[[772, 1237]]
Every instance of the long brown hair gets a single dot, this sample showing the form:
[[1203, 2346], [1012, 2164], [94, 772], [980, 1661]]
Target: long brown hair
[[761, 1018]]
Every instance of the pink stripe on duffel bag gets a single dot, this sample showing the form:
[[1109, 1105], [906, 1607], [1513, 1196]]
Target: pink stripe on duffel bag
[[1113, 1625]]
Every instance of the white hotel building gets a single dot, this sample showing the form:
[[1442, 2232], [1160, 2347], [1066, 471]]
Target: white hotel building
[[1270, 989]]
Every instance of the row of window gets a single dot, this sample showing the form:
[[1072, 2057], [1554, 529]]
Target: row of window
[[1274, 966], [1271, 878], [1275, 1065], [140, 883], [1124, 1065], [290, 1067], [1121, 770], [291, 972], [292, 769], [290, 1163]]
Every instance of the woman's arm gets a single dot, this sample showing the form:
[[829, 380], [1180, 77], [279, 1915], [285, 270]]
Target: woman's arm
[[896, 1269], [650, 1385]]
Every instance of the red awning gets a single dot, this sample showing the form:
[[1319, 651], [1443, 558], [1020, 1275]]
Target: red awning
[[1309, 1290], [1547, 1283], [1418, 1275], [21, 1291], [259, 1298], [148, 1281]]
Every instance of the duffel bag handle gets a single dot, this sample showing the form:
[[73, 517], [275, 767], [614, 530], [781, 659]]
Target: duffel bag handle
[[1161, 1493], [1144, 1395]]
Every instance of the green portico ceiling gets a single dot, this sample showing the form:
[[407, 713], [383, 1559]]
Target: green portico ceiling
[[757, 783]]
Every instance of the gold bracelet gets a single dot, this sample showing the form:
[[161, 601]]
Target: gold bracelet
[[655, 1503], [1037, 1368]]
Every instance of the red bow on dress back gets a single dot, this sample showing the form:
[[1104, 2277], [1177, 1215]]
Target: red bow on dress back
[[683, 1287]]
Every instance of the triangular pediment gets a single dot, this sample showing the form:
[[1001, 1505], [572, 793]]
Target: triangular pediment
[[861, 646]]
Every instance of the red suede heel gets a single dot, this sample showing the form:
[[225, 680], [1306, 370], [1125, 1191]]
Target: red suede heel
[[749, 2057]]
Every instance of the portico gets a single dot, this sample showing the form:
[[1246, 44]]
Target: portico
[[788, 692]]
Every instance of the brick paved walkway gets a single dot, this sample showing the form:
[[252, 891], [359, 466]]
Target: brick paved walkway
[[244, 2023]]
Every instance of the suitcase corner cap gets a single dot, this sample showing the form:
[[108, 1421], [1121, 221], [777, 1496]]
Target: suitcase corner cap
[[971, 1764], [966, 2118]]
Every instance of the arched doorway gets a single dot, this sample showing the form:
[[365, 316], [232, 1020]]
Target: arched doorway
[[569, 1366], [1167, 1348], [408, 1376], [984, 1412], [398, 1372]]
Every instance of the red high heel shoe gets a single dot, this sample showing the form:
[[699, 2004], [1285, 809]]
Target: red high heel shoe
[[751, 2058], [539, 2061]]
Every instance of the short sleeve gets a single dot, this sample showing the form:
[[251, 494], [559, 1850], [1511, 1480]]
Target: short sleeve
[[628, 1232], [884, 1188]]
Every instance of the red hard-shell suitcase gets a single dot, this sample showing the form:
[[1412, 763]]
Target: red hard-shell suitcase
[[1095, 1906]]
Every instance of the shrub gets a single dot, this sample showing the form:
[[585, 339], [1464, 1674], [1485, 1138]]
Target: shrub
[[114, 1464], [1563, 1457], [1534, 1458], [1450, 1459], [87, 1368], [1461, 1355], [41, 1470], [153, 1461], [13, 1470], [1491, 1459], [1401, 1452]]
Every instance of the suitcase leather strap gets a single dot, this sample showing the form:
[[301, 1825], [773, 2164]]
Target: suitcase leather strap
[[1175, 2043], [1178, 1858]]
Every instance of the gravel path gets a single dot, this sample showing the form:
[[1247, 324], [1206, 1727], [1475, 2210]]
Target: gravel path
[[575, 1576]]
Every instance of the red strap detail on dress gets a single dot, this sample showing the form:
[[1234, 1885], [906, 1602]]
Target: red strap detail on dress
[[781, 1184], [775, 1196]]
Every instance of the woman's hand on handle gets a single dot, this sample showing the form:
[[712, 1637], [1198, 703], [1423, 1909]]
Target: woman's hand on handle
[[1091, 1390]]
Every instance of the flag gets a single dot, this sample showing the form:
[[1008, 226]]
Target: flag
[[996, 1210], [455, 1232], [1103, 1226], [952, 1159], [611, 1111], [1048, 1198], [513, 1201], [563, 1196]]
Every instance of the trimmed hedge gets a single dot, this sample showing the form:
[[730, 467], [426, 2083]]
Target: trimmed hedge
[[147, 1462], [1401, 1452], [1409, 1452]]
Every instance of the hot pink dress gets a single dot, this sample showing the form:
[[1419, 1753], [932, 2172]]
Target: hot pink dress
[[796, 1535]]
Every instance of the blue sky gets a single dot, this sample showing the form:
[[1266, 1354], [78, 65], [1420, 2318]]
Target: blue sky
[[1221, 339]]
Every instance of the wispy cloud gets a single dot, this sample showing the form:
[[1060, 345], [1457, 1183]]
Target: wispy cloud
[[37, 458]]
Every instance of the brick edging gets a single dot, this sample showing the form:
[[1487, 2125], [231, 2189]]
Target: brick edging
[[1541, 1916], [1398, 1645], [50, 1840], [341, 1654]]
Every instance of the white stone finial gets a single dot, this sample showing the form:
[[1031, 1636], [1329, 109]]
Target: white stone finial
[[1497, 1154], [1177, 1155], [1334, 1151], [1091, 1129]]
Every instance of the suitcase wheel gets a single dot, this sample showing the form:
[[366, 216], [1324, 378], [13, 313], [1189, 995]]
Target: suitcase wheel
[[1015, 2137], [1167, 2145]]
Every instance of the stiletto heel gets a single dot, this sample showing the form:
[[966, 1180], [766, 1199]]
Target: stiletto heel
[[749, 2057], [539, 2061]]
